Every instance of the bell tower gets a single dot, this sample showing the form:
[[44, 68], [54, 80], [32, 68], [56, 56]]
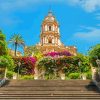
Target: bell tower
[[50, 31], [50, 37]]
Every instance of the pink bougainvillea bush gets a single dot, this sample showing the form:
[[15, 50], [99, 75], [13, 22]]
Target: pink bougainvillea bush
[[63, 53], [66, 64], [27, 65]]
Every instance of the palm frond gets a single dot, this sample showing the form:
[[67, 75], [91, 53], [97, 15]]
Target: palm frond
[[17, 40]]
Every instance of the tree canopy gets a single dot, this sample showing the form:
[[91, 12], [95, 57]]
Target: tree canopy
[[3, 44], [33, 51], [94, 54]]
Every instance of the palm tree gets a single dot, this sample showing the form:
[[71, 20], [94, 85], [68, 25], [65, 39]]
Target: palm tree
[[17, 41]]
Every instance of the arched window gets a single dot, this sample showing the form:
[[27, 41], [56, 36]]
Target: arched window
[[50, 40], [46, 28], [49, 28]]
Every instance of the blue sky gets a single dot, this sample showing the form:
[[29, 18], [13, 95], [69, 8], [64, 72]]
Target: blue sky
[[79, 20]]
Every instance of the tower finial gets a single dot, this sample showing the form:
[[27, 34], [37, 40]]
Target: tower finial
[[50, 11]]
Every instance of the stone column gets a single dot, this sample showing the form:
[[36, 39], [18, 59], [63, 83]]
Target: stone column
[[94, 70], [36, 74]]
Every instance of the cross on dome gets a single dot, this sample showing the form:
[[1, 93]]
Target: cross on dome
[[50, 13]]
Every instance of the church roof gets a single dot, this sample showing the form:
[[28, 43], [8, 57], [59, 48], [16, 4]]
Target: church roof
[[50, 17]]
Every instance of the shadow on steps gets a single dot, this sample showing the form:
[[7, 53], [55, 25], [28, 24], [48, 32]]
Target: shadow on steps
[[92, 87]]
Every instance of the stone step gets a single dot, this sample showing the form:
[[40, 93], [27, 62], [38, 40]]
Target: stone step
[[51, 97], [52, 81], [42, 95], [49, 83], [48, 88], [49, 92]]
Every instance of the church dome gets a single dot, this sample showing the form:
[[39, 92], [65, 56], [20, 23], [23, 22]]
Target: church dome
[[50, 17]]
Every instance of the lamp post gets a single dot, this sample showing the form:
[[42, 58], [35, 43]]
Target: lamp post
[[19, 64], [55, 72], [55, 69], [79, 64], [98, 63], [0, 62]]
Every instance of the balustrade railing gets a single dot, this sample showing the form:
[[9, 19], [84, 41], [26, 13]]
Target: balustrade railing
[[2, 82]]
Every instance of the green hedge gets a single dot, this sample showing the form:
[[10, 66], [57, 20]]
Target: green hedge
[[89, 75], [74, 76], [10, 74], [27, 77]]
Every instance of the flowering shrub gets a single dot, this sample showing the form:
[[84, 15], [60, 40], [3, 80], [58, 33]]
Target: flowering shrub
[[63, 53], [50, 64], [64, 64], [27, 65]]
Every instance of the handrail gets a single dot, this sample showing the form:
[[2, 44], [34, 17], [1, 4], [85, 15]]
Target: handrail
[[2, 82]]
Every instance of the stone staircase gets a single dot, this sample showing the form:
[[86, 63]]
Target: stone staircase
[[49, 90]]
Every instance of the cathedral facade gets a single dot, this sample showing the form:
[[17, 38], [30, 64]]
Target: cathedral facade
[[50, 37]]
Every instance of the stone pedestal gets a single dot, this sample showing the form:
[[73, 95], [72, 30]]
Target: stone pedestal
[[14, 76], [36, 74], [84, 77], [94, 71], [62, 76]]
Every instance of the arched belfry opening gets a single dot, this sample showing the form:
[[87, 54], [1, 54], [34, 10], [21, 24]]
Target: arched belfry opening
[[50, 28], [50, 40]]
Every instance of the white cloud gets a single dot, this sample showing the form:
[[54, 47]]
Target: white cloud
[[16, 4], [93, 34], [9, 7], [88, 5], [98, 16], [98, 25], [6, 5]]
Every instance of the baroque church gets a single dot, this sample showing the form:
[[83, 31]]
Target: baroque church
[[50, 37]]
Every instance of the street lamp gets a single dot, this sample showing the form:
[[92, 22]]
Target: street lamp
[[0, 62], [55, 72], [79, 64], [55, 68], [19, 64], [98, 63]]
